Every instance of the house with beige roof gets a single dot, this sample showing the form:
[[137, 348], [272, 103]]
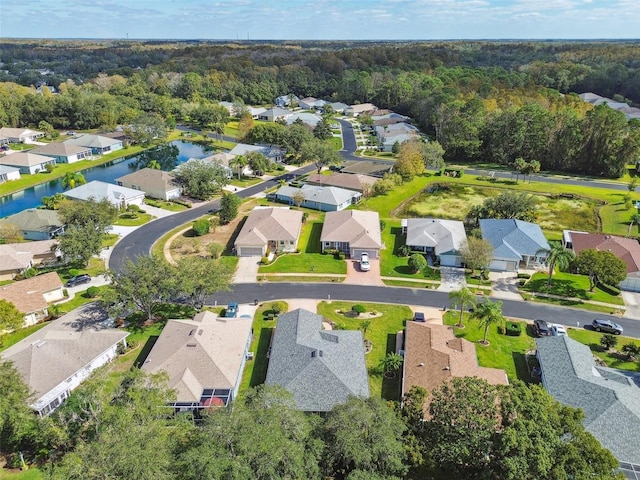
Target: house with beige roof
[[154, 183], [349, 181], [118, 196], [353, 232], [32, 296], [359, 109], [204, 358], [8, 173], [15, 258], [27, 162], [63, 152], [433, 355], [57, 358], [20, 135], [272, 229], [36, 223]]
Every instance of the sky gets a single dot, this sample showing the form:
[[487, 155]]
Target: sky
[[321, 19]]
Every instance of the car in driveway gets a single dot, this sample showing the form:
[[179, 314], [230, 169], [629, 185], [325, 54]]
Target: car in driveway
[[419, 317], [558, 330], [365, 266], [232, 310], [541, 328], [78, 280], [605, 325]]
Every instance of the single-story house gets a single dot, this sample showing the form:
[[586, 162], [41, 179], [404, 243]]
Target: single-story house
[[609, 398], [516, 244], [275, 113], [311, 103], [269, 230], [626, 249], [63, 152], [442, 238], [433, 355], [154, 183], [231, 107], [356, 110], [352, 232], [204, 358], [98, 144], [274, 154], [390, 134], [325, 199], [286, 100], [367, 167], [20, 135], [37, 223], [118, 196], [224, 159], [8, 173], [15, 258], [337, 107], [350, 181], [320, 368], [27, 162], [255, 112], [32, 296], [57, 358], [309, 119]]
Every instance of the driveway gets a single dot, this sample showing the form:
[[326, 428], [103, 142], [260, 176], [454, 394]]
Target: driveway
[[632, 302], [504, 285], [355, 276], [247, 270], [451, 279]]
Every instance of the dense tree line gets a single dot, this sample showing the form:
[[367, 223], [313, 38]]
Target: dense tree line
[[123, 429]]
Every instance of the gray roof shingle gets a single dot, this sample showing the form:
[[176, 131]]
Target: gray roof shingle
[[511, 239]]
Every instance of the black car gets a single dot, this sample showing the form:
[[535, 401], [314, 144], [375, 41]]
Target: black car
[[604, 325], [418, 317], [541, 328], [78, 280]]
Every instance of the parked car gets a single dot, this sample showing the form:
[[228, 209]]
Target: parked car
[[541, 328], [418, 317], [78, 280], [558, 331], [604, 325], [365, 266], [232, 310]]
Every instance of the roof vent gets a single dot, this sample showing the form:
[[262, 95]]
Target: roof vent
[[200, 332], [421, 364], [192, 344], [321, 353], [191, 332]]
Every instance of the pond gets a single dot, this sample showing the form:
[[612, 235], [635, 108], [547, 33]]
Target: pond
[[168, 157]]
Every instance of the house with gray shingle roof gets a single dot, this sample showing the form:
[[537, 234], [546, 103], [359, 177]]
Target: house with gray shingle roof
[[64, 152], [274, 114], [57, 358], [515, 244], [98, 144], [269, 229], [36, 223], [321, 368], [609, 398], [204, 358], [154, 183], [118, 196], [325, 199], [353, 232], [27, 162], [442, 238], [8, 173], [350, 181]]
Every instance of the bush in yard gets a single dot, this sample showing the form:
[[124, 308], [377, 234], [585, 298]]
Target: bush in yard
[[339, 255], [277, 308], [404, 251], [501, 330], [74, 272], [514, 329], [608, 341], [215, 249], [201, 227], [632, 350], [305, 215], [92, 292], [264, 260], [417, 262], [358, 309], [524, 275]]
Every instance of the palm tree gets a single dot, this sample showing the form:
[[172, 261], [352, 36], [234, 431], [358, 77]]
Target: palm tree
[[239, 162], [391, 363], [465, 298], [488, 313], [154, 164], [365, 326], [73, 180], [558, 255]]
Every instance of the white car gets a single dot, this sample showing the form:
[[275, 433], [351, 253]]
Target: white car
[[558, 330], [365, 266]]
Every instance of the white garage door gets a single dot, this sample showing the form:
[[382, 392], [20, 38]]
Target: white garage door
[[250, 252], [358, 251], [450, 261], [502, 266]]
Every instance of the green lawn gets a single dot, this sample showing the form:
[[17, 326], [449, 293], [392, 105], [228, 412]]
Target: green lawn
[[409, 284], [382, 333], [305, 263], [569, 285], [563, 302], [31, 474], [171, 206], [612, 359], [391, 265], [505, 352], [140, 219], [14, 337]]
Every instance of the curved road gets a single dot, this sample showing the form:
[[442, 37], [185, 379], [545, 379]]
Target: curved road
[[140, 241]]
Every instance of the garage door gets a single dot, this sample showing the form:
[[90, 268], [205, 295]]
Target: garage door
[[450, 261], [359, 251], [250, 252], [499, 265], [630, 284]]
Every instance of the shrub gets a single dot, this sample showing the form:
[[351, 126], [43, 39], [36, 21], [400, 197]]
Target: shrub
[[632, 350], [305, 215], [382, 225], [133, 208], [215, 249], [277, 308], [128, 215], [404, 251], [49, 168], [358, 309], [500, 330], [74, 272], [339, 255], [608, 341], [524, 275], [417, 262], [609, 289], [92, 292], [514, 329], [201, 227], [264, 260]]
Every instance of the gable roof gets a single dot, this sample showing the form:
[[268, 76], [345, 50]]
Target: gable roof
[[93, 141], [61, 149], [609, 398], [512, 239], [18, 256], [315, 193], [244, 148], [433, 355], [65, 346], [361, 229], [307, 118], [25, 159], [350, 181], [99, 190], [273, 223], [150, 179], [27, 294], [442, 235], [204, 352], [222, 158], [35, 220], [626, 249], [9, 132], [321, 368]]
